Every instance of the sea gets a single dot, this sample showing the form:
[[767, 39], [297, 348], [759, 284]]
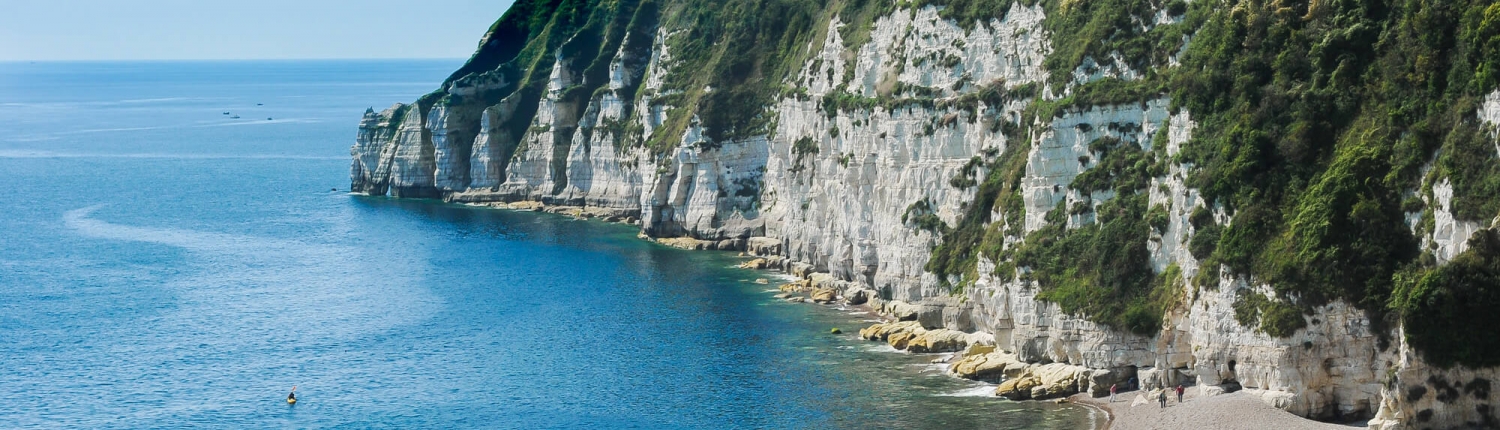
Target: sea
[[178, 248]]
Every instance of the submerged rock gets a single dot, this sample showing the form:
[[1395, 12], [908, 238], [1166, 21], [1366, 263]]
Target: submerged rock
[[756, 264]]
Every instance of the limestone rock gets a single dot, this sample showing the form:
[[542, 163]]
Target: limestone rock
[[977, 349], [836, 214], [761, 245], [824, 295], [756, 264], [1101, 379], [857, 296], [901, 339], [901, 311], [883, 331], [938, 340], [794, 287], [1018, 388], [986, 366]]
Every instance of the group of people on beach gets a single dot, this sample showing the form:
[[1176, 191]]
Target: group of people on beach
[[1161, 397]]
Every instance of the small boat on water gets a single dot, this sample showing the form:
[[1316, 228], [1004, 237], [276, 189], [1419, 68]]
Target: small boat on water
[[226, 112], [235, 117]]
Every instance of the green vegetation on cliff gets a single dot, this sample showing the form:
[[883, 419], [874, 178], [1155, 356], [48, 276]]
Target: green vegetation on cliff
[[1321, 129]]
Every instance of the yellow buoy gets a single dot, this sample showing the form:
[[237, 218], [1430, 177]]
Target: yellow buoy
[[291, 401]]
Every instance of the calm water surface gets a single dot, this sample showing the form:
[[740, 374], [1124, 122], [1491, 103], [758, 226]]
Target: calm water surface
[[165, 265]]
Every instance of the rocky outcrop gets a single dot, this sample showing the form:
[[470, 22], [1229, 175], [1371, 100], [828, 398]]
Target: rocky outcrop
[[852, 197]]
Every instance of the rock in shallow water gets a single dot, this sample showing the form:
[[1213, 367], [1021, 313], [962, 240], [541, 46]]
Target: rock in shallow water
[[824, 295], [940, 340]]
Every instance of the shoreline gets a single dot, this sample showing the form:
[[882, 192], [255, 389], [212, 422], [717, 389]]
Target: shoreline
[[1137, 410], [1239, 410]]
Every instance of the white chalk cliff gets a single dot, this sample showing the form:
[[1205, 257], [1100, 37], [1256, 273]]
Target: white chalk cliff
[[831, 193]]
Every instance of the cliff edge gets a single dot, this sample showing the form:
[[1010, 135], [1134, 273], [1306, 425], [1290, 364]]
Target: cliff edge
[[1298, 198]]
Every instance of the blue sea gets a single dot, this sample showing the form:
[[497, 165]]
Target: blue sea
[[165, 265]]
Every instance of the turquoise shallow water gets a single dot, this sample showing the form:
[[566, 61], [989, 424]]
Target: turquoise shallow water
[[164, 265]]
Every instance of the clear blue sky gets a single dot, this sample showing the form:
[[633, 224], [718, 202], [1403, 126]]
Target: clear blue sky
[[242, 29]]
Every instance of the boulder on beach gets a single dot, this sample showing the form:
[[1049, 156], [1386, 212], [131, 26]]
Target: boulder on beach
[[988, 366], [883, 331], [824, 295], [939, 340], [756, 264], [794, 286], [901, 339], [1042, 382], [1018, 388], [857, 296], [1059, 379]]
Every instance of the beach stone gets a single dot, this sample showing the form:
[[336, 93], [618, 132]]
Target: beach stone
[[883, 331], [794, 287], [986, 366], [939, 340], [824, 295], [857, 296], [900, 340], [801, 270], [1057, 379], [1276, 399], [1018, 388]]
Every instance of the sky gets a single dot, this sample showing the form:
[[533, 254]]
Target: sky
[[42, 30]]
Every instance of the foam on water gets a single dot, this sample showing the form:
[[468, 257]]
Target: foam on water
[[977, 390]]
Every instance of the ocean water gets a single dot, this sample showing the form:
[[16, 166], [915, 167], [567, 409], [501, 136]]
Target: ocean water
[[164, 265]]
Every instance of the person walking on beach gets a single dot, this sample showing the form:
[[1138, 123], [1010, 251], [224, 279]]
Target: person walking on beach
[[1162, 398], [1179, 393], [1112, 389]]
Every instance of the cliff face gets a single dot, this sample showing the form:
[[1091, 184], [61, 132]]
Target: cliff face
[[986, 166]]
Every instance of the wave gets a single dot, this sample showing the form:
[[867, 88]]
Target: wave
[[978, 390], [263, 282]]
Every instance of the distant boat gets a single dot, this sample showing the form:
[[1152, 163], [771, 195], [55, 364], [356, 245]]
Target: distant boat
[[268, 118], [258, 104], [235, 117], [226, 112]]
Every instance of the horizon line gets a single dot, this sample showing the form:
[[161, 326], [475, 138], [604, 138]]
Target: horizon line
[[143, 60]]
